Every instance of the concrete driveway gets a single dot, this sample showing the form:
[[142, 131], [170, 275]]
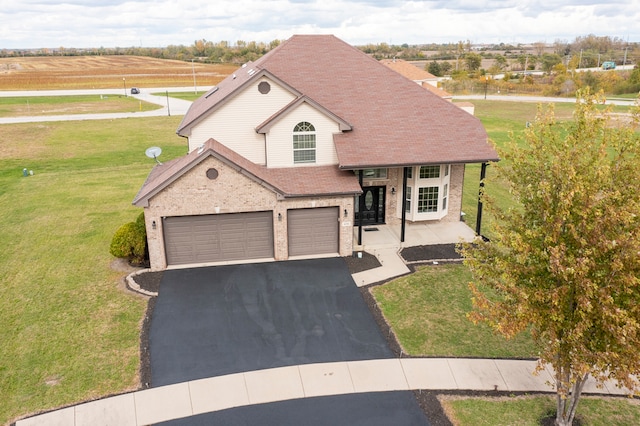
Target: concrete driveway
[[230, 319]]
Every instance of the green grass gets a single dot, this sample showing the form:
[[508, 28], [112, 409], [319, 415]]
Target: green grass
[[529, 410], [427, 311], [187, 96], [81, 104], [502, 120], [69, 333]]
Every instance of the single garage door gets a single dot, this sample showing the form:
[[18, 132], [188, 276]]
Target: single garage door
[[220, 237], [313, 231]]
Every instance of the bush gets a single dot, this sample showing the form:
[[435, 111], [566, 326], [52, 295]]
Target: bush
[[130, 242]]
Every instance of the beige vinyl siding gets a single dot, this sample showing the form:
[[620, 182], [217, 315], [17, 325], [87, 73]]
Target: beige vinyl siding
[[235, 122], [280, 138]]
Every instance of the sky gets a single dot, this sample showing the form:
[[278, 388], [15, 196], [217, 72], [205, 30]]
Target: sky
[[159, 23]]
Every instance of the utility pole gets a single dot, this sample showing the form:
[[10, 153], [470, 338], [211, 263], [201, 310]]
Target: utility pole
[[580, 63], [625, 56], [193, 70]]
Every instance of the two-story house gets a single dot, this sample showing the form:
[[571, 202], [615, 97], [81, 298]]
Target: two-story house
[[291, 152]]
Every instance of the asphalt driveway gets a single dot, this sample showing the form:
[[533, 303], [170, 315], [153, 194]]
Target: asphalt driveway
[[229, 319]]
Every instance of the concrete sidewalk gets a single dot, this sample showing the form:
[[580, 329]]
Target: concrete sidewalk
[[306, 381], [385, 245]]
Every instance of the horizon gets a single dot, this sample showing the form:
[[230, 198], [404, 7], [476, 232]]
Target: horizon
[[89, 24]]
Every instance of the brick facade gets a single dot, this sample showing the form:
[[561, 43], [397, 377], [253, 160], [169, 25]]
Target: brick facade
[[232, 192]]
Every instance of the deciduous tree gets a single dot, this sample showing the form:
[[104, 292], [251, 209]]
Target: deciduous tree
[[564, 261]]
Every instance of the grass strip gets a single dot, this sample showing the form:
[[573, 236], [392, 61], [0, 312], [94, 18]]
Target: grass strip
[[20, 106], [531, 410]]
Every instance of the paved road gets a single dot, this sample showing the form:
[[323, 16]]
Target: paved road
[[174, 106], [170, 106], [537, 99], [365, 409]]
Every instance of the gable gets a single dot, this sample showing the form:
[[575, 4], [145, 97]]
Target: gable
[[234, 123], [279, 138], [198, 192]]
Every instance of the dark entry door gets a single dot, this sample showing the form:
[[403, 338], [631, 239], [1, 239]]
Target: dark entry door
[[370, 205]]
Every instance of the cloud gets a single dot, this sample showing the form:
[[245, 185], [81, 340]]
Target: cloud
[[122, 23]]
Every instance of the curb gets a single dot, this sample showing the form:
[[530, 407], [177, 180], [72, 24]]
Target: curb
[[133, 285]]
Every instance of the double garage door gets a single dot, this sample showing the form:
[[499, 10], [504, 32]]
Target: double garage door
[[245, 236], [217, 238]]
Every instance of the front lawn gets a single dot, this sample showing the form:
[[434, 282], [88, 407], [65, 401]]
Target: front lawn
[[427, 311], [69, 332]]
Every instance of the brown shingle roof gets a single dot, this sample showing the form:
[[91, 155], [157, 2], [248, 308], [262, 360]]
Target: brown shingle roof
[[438, 91], [395, 121], [408, 69], [288, 182]]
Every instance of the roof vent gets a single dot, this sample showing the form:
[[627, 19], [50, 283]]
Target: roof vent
[[200, 149], [211, 92], [244, 65], [251, 71], [264, 87]]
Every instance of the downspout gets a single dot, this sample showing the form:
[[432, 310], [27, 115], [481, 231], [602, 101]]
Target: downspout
[[360, 205], [483, 173], [266, 154], [403, 202]]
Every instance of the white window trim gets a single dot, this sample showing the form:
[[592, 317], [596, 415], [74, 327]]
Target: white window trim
[[442, 182], [306, 149]]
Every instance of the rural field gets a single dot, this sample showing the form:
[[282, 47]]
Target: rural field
[[70, 330], [105, 72]]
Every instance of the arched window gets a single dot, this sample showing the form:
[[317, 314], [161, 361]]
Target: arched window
[[304, 143]]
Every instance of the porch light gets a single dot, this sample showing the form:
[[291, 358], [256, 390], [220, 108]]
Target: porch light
[[346, 213], [153, 224], [279, 217], [393, 190]]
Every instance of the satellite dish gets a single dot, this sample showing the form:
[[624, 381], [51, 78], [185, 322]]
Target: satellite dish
[[154, 152]]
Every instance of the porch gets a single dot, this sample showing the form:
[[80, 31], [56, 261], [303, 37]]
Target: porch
[[416, 234], [383, 241]]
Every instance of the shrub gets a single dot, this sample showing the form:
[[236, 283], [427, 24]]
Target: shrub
[[130, 242]]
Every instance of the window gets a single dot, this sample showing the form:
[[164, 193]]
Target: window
[[445, 192], [428, 199], [374, 173], [409, 172], [407, 200], [429, 172], [304, 143], [446, 170]]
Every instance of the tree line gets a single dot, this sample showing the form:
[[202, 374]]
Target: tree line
[[590, 50]]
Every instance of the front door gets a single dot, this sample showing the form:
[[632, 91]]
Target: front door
[[370, 205]]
